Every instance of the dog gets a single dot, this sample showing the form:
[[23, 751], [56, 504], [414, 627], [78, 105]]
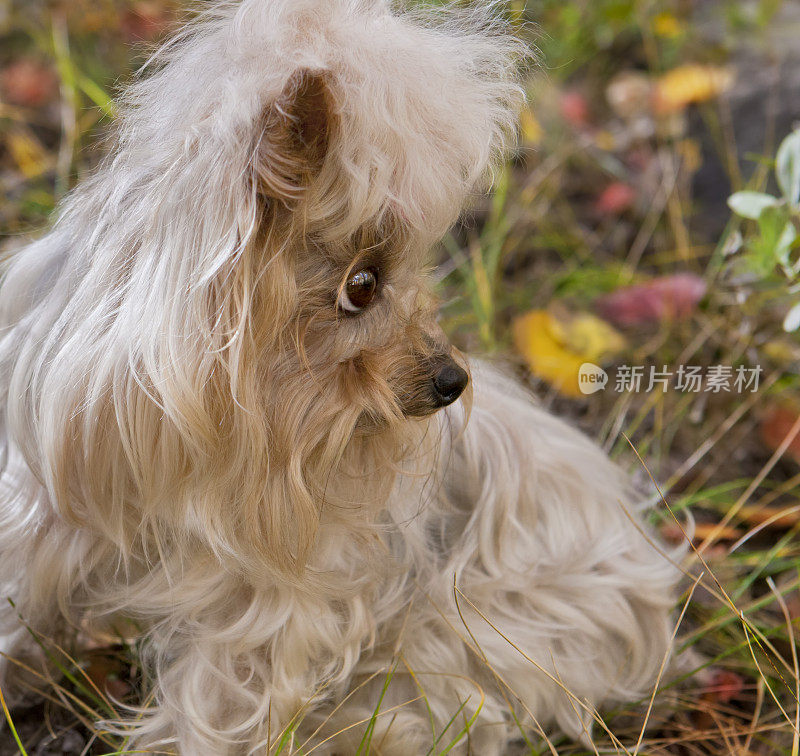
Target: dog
[[230, 419]]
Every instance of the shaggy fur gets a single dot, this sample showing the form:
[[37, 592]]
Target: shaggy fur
[[198, 439]]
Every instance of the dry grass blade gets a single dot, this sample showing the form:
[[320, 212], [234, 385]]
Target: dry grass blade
[[748, 628], [754, 484], [664, 663], [795, 665], [572, 697], [333, 711], [766, 682], [383, 713]]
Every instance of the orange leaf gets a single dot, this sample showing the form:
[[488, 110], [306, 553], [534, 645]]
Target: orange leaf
[[776, 425], [701, 531], [777, 518]]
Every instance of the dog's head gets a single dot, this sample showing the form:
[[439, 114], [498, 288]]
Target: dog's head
[[248, 289], [338, 226], [374, 133]]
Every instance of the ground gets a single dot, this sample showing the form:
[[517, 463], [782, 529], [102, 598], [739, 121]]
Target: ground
[[609, 243]]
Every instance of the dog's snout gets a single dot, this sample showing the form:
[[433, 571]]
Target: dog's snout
[[449, 382]]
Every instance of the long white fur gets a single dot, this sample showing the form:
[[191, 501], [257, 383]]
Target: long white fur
[[166, 461]]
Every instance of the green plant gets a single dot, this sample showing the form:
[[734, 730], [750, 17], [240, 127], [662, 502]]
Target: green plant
[[773, 244]]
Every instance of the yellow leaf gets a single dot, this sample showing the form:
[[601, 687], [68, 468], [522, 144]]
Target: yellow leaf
[[781, 352], [530, 127], [667, 25], [689, 84], [605, 140], [593, 338], [555, 350], [26, 151], [536, 338]]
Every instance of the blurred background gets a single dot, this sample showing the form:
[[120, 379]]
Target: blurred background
[[636, 265]]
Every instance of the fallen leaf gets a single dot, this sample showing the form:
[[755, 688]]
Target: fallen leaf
[[574, 108], [702, 530], [667, 26], [555, 350], [530, 127], [590, 337], [725, 686], [689, 84], [668, 298], [793, 604], [781, 351], [27, 152], [105, 670], [605, 140], [774, 518], [88, 16], [776, 425], [28, 83], [146, 20], [615, 199], [537, 339]]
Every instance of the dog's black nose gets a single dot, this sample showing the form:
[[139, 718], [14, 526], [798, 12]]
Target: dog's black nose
[[449, 381]]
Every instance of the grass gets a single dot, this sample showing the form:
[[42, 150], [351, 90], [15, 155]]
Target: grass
[[545, 241]]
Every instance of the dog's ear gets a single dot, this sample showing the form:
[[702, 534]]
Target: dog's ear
[[297, 130]]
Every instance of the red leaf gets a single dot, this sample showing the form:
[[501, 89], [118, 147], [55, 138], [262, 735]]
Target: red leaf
[[574, 108], [28, 82], [668, 298], [615, 199], [146, 20], [776, 425], [725, 686]]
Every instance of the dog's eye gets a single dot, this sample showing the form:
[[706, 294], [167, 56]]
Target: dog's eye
[[359, 291]]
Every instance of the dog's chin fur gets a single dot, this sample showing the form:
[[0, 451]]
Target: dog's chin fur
[[195, 438]]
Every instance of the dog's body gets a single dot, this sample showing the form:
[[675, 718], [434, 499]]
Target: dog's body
[[225, 410]]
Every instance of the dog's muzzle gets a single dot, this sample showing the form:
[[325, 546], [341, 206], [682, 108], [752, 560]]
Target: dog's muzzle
[[449, 381]]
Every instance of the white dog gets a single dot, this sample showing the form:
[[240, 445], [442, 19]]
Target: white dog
[[228, 414]]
